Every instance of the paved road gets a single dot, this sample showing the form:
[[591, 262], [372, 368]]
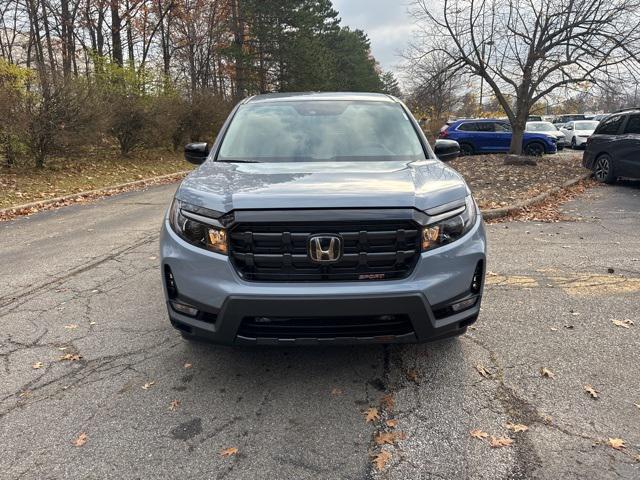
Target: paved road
[[85, 279]]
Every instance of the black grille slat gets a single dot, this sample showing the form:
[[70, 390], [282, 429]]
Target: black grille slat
[[326, 327], [278, 251]]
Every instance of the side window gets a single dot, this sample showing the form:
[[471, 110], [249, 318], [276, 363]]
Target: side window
[[633, 124], [610, 126], [468, 127], [502, 127], [486, 127]]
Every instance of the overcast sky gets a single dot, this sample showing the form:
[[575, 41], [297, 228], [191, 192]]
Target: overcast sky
[[385, 21]]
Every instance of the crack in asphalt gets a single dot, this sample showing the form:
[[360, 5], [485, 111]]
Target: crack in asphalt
[[7, 300]]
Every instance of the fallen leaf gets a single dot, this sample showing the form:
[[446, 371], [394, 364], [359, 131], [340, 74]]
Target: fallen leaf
[[545, 372], [387, 402], [25, 394], [617, 443], [637, 405], [516, 427], [81, 440], [591, 391], [187, 365], [385, 437], [554, 329], [381, 460], [413, 376], [62, 348], [227, 452], [173, 406], [372, 414], [336, 392], [483, 371], [72, 357], [148, 385], [392, 423], [71, 327], [477, 433], [37, 365], [623, 323], [499, 442]]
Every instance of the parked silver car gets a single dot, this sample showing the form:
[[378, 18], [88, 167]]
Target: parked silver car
[[550, 129]]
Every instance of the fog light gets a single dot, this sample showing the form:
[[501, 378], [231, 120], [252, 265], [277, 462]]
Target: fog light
[[185, 309], [463, 305]]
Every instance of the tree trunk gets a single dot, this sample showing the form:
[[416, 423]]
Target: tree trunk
[[47, 33], [65, 25], [116, 40], [130, 37], [517, 127], [238, 43]]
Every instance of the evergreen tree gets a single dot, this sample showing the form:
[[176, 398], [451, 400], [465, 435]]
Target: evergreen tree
[[390, 84]]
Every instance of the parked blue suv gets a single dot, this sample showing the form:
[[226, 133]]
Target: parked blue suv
[[488, 135]]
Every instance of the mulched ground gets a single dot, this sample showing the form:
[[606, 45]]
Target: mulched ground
[[497, 185]]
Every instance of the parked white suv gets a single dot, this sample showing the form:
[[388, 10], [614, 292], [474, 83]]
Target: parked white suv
[[577, 132]]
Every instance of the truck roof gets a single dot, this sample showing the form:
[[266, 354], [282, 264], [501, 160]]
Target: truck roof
[[308, 96]]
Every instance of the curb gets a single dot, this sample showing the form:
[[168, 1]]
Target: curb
[[93, 193], [494, 213]]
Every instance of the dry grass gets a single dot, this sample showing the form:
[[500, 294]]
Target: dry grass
[[65, 176]]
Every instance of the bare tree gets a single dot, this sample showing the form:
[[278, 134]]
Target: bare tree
[[526, 49]]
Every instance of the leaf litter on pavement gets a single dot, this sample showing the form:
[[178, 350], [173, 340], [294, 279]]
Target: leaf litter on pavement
[[228, 452], [80, 440], [371, 414]]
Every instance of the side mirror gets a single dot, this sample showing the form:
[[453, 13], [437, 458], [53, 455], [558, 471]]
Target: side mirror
[[568, 127], [446, 150], [196, 153]]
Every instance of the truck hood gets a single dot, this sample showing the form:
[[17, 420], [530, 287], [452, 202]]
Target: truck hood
[[225, 186]]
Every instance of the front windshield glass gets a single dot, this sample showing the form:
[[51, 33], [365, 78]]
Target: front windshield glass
[[541, 127], [303, 131], [586, 125]]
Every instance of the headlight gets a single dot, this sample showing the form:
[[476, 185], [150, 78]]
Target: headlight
[[454, 225], [197, 229]]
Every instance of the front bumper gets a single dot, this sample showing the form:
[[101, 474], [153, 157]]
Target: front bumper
[[581, 141], [209, 282]]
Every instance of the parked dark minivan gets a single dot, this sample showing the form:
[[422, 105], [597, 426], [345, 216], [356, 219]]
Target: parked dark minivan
[[613, 150]]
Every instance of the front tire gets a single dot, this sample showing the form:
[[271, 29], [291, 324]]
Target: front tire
[[466, 149], [534, 149], [603, 169], [573, 143]]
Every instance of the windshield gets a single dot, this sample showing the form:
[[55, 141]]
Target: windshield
[[586, 125], [302, 131], [541, 127]]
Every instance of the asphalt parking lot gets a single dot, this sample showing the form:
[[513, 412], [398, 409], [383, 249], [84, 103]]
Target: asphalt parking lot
[[94, 383]]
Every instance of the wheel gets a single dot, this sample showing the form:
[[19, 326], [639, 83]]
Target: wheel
[[573, 143], [534, 149], [466, 149], [603, 169]]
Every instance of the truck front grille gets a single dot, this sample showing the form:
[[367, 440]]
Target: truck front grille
[[279, 251]]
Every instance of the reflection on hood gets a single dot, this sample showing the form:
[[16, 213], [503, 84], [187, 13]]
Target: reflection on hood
[[226, 186]]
